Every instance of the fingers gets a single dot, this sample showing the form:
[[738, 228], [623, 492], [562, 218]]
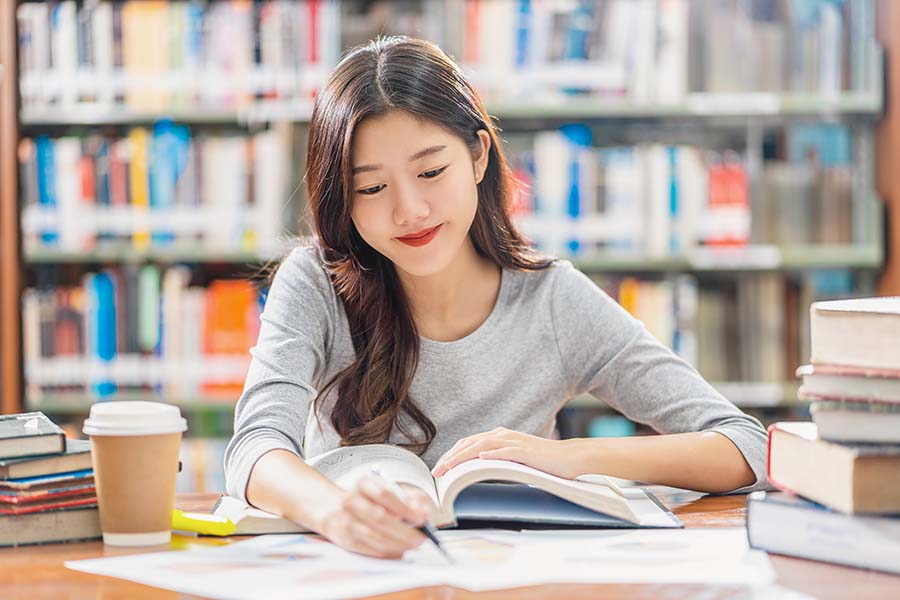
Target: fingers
[[382, 496], [513, 453], [368, 540], [369, 527], [421, 501], [471, 439], [467, 448], [466, 453], [382, 525]]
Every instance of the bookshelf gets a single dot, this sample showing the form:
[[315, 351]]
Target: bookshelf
[[697, 106], [707, 114]]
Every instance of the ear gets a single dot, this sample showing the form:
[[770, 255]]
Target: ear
[[481, 154]]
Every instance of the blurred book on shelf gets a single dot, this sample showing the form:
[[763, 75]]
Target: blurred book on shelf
[[155, 188], [658, 201], [140, 329], [223, 55], [203, 466], [236, 54], [700, 319], [647, 51]]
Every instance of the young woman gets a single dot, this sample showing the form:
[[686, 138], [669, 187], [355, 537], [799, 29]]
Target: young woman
[[420, 317]]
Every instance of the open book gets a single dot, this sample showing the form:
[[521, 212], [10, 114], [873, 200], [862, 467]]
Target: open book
[[597, 493]]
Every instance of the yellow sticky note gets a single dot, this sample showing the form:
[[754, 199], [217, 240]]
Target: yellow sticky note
[[204, 523]]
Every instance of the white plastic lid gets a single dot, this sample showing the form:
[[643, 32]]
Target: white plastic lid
[[133, 418]]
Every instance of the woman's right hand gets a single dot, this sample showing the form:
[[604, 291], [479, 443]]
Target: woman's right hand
[[372, 520]]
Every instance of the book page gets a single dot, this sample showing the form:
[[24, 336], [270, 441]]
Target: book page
[[597, 493], [512, 468], [345, 466]]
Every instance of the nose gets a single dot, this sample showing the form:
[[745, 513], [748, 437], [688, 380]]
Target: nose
[[410, 205]]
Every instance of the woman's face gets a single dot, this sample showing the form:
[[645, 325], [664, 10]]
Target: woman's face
[[411, 177]]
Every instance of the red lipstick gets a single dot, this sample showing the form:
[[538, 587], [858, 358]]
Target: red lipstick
[[421, 238]]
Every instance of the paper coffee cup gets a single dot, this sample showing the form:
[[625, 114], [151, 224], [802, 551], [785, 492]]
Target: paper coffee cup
[[134, 451]]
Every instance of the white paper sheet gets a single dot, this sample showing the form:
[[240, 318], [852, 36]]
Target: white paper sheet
[[288, 566]]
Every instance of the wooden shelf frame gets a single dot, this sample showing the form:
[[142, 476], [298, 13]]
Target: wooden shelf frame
[[887, 143], [10, 247]]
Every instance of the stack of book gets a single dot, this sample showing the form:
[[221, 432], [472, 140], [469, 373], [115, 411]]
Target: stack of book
[[840, 474], [47, 491]]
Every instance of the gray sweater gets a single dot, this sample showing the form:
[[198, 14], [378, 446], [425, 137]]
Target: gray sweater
[[552, 335]]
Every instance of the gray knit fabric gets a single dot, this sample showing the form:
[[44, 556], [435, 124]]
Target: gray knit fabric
[[552, 335]]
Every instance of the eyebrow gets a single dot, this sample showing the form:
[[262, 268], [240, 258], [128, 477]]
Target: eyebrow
[[416, 156]]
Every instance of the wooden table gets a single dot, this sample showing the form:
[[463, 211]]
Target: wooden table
[[38, 572]]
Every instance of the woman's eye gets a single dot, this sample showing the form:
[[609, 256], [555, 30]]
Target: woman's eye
[[433, 173], [372, 190]]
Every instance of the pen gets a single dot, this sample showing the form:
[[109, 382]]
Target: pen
[[427, 529]]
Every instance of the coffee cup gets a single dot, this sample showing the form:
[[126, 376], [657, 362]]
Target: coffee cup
[[134, 451]]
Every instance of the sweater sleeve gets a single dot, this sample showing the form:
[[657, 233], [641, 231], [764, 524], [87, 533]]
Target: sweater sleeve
[[295, 328], [612, 356]]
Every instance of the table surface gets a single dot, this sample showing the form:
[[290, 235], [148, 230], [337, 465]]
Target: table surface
[[38, 571]]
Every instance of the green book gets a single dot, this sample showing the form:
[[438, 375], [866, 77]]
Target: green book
[[77, 457], [29, 434]]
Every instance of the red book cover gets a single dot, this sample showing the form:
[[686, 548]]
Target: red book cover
[[849, 371], [471, 39], [88, 188], [118, 173], [313, 30], [50, 505]]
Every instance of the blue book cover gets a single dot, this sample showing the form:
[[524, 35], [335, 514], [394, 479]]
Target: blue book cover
[[103, 324], [674, 248], [46, 179], [781, 523], [580, 25], [826, 143], [581, 22], [522, 28], [24, 482], [101, 165], [193, 34], [168, 160], [519, 506], [579, 136]]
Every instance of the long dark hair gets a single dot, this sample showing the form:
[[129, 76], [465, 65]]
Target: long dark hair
[[393, 73]]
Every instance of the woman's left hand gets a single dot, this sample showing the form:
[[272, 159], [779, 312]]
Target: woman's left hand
[[550, 456]]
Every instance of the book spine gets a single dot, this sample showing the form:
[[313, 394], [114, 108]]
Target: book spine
[[138, 145], [103, 334]]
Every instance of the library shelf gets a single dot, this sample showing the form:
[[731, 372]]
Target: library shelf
[[738, 259], [76, 403], [88, 114], [128, 254], [744, 394], [695, 106]]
